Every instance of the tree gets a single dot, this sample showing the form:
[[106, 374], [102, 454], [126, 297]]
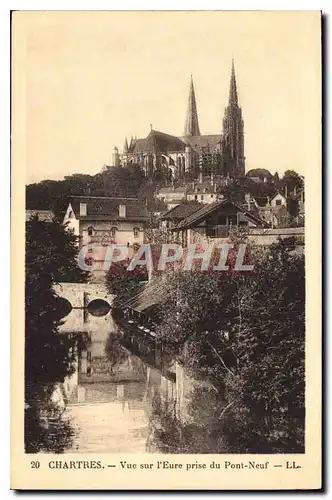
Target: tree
[[50, 258], [124, 283], [245, 334]]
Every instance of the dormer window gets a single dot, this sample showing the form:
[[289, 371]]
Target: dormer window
[[83, 209], [113, 231], [90, 231], [136, 232]]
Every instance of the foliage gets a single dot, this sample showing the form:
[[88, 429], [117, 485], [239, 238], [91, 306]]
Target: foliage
[[116, 182], [51, 252], [47, 429], [116, 354], [124, 283], [245, 334], [50, 257], [200, 433]]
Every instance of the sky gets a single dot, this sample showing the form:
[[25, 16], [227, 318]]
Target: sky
[[82, 81]]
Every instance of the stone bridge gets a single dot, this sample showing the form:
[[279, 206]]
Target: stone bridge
[[86, 307]]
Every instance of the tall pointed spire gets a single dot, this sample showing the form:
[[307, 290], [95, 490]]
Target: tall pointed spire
[[125, 146], [233, 134], [232, 87], [191, 126]]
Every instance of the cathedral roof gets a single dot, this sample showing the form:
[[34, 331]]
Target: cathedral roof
[[159, 142], [137, 146], [197, 142]]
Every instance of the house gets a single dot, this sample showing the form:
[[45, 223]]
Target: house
[[215, 221], [204, 192], [277, 200], [172, 195], [101, 221], [171, 218], [43, 215]]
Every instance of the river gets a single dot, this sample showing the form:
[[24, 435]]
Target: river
[[112, 403]]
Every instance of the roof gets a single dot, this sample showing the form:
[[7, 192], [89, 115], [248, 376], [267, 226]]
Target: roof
[[138, 146], [202, 187], [171, 189], [206, 210], [151, 294], [43, 215], [261, 200], [197, 142], [159, 142], [181, 211], [258, 172], [104, 208], [276, 194]]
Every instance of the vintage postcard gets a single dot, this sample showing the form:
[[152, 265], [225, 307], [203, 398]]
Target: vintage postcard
[[166, 243]]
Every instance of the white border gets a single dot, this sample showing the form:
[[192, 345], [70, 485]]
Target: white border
[[325, 6]]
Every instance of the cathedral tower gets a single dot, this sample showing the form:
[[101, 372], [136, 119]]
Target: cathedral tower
[[191, 126], [233, 134]]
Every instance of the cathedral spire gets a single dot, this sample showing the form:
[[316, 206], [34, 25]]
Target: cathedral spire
[[125, 146], [232, 87], [233, 134], [191, 126]]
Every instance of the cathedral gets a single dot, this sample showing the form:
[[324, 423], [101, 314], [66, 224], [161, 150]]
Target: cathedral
[[193, 154]]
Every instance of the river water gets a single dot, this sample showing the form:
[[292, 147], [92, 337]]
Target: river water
[[113, 401]]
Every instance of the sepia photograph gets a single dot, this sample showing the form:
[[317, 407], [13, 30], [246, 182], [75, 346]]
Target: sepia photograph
[[168, 160]]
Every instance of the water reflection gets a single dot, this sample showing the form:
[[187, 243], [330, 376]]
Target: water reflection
[[106, 405]]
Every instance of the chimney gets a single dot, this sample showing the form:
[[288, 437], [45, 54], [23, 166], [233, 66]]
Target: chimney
[[122, 210], [83, 209]]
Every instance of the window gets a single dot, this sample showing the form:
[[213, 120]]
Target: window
[[196, 197], [278, 202], [136, 232], [210, 232], [83, 209], [71, 214], [113, 231], [90, 231], [202, 197], [211, 195]]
